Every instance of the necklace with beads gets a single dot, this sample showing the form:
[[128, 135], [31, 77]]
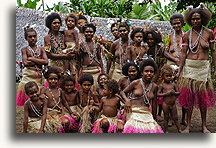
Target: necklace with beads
[[193, 46], [123, 52], [175, 44], [35, 110], [35, 53], [53, 98], [55, 44], [145, 90], [92, 57], [88, 98]]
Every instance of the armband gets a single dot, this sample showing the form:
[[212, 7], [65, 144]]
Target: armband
[[212, 41], [184, 44]]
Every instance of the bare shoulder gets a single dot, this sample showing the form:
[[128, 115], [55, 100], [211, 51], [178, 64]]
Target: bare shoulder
[[24, 49], [154, 86]]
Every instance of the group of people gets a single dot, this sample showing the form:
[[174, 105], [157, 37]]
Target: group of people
[[66, 87]]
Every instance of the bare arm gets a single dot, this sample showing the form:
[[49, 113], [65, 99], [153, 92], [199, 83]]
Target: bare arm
[[25, 121], [212, 49], [42, 61], [160, 92], [177, 92], [65, 103], [76, 37], [154, 103], [25, 60], [43, 120], [112, 50]]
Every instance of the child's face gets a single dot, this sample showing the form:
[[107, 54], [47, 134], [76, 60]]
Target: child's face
[[31, 38], [80, 23], [70, 22], [89, 33], [55, 25], [106, 91], [148, 73], [103, 80], [86, 86], [53, 80], [138, 37], [33, 93], [176, 24], [69, 86], [168, 77], [132, 72], [115, 32], [150, 40], [123, 31]]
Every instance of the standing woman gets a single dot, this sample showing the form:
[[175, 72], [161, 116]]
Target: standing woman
[[54, 42], [196, 88], [119, 50]]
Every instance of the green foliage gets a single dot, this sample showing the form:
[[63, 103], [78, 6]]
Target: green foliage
[[29, 4]]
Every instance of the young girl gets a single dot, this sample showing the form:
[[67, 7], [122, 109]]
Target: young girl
[[102, 80], [110, 104], [87, 100], [35, 110], [72, 44], [33, 58], [140, 120], [168, 90], [136, 51]]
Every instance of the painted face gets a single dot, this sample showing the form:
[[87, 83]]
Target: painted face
[[176, 24], [31, 37], [138, 37], [86, 86], [89, 33], [70, 22], [55, 25], [115, 32], [33, 93], [150, 40], [106, 91], [123, 32], [80, 23], [53, 80], [132, 72], [196, 20], [69, 86], [148, 73], [103, 80], [168, 77]]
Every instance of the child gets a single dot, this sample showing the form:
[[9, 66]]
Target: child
[[168, 90], [141, 91], [70, 98], [33, 58], [110, 103], [72, 44], [136, 51], [87, 100], [102, 80], [35, 109], [81, 21]]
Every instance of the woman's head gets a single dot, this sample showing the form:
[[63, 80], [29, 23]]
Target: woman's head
[[131, 70], [123, 29], [137, 35], [89, 30], [81, 21], [53, 21], [148, 68], [114, 30], [177, 21], [152, 37], [203, 14]]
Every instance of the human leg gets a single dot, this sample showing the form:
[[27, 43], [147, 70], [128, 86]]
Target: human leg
[[203, 112], [166, 116], [174, 114]]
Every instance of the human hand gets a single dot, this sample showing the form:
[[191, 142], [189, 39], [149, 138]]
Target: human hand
[[43, 96], [127, 106], [75, 116]]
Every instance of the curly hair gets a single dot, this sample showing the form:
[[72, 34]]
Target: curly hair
[[102, 74], [136, 30], [90, 25], [49, 19], [28, 85], [166, 69], [86, 77], [71, 16], [54, 70], [113, 86], [177, 16], [126, 67], [82, 17], [205, 15], [156, 35], [68, 78], [26, 30], [124, 24], [148, 62]]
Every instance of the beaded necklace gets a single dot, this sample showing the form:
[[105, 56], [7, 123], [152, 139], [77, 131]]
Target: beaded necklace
[[193, 46], [145, 90], [88, 100], [175, 44], [35, 53], [123, 52], [54, 100], [92, 57], [35, 110], [55, 44]]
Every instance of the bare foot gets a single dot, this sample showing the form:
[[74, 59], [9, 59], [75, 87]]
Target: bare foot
[[205, 130], [170, 123], [187, 130], [159, 118]]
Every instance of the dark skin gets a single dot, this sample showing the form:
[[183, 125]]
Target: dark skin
[[55, 26], [102, 81], [168, 90], [136, 88], [27, 55], [170, 54], [115, 48], [89, 33], [201, 54], [115, 32], [41, 105]]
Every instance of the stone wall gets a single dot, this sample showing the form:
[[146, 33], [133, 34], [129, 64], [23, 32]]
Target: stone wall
[[31, 16]]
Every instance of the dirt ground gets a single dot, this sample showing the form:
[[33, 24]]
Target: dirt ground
[[196, 121]]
